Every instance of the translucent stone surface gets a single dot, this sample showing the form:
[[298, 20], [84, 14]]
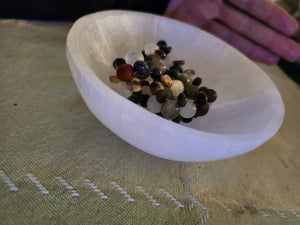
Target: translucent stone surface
[[133, 56], [153, 105], [248, 111], [177, 87], [189, 110], [150, 48]]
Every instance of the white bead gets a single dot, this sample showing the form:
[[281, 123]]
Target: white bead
[[123, 90], [153, 105], [177, 88], [189, 110], [150, 48], [133, 56]]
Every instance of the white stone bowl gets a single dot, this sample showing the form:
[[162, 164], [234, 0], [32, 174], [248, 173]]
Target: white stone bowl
[[248, 111]]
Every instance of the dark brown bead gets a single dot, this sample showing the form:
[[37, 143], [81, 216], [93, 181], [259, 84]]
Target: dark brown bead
[[125, 72], [160, 54], [211, 95]]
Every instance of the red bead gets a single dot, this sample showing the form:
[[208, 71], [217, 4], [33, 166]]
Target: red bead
[[125, 72]]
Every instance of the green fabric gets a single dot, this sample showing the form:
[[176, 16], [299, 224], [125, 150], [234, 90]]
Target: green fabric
[[46, 130]]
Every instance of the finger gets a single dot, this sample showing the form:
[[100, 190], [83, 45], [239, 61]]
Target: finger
[[260, 33], [250, 49], [270, 13]]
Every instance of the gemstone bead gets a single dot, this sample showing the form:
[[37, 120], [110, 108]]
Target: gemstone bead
[[114, 79], [202, 110], [161, 96], [166, 80], [170, 109], [186, 120], [118, 62], [177, 119], [189, 72], [160, 54], [125, 72], [201, 98], [167, 50], [203, 89], [156, 86], [141, 69], [189, 110], [133, 56], [152, 61], [191, 91], [176, 67], [162, 44], [150, 48], [169, 94], [123, 90], [178, 63], [211, 95], [181, 99], [153, 105], [144, 100], [146, 90], [177, 88], [185, 79], [133, 86], [197, 81], [136, 97], [174, 74], [156, 74]]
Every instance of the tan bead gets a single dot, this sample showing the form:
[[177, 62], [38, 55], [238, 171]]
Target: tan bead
[[114, 79], [166, 80]]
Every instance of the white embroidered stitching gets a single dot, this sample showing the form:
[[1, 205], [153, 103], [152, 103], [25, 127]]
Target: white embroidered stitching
[[95, 188], [122, 191], [8, 182], [37, 183], [147, 195], [167, 194], [190, 181], [67, 186], [219, 203]]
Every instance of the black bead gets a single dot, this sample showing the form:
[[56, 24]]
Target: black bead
[[141, 67], [161, 96], [118, 62], [174, 74], [176, 67], [197, 81], [136, 97], [181, 99], [155, 74], [203, 89], [167, 50], [186, 120], [162, 44], [144, 54], [201, 110], [201, 98], [144, 100], [169, 94], [211, 95], [177, 119]]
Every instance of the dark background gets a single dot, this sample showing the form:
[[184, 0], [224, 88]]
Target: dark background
[[73, 9]]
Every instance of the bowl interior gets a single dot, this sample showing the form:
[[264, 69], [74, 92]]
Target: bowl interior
[[245, 94]]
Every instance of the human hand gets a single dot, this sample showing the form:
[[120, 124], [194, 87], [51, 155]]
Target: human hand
[[258, 28]]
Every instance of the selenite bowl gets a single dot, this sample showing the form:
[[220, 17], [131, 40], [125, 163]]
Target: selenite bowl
[[248, 111]]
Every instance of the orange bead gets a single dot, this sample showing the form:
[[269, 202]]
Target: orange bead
[[125, 72]]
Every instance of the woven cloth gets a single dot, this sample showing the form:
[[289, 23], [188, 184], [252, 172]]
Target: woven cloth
[[60, 165]]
